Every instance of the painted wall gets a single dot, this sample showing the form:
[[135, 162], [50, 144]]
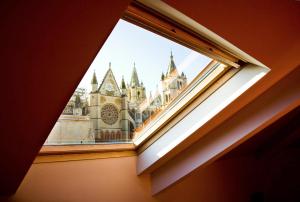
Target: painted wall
[[266, 164], [226, 180], [112, 179], [46, 48], [265, 168], [43, 42]]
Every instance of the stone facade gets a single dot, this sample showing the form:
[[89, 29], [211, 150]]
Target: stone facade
[[110, 119], [111, 113], [71, 129]]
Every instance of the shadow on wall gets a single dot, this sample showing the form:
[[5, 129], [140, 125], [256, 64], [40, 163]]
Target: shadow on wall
[[265, 168]]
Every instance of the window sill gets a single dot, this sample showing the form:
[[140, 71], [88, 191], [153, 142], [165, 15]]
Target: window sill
[[79, 149], [60, 153]]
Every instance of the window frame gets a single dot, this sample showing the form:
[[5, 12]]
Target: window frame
[[142, 14], [197, 87]]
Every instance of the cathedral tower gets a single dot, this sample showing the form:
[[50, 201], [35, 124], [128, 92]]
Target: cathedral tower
[[172, 82], [94, 82], [136, 95], [124, 112], [137, 92], [93, 105]]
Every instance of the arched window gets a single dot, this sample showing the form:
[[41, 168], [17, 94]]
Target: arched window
[[118, 135], [102, 135], [112, 136], [107, 138]]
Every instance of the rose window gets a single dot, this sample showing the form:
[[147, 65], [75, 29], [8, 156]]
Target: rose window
[[109, 114]]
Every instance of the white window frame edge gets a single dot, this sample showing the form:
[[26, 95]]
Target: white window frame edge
[[215, 103], [231, 90], [179, 102]]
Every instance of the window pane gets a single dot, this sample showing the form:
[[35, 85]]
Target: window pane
[[135, 76]]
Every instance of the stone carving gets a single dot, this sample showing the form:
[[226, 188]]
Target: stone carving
[[109, 114]]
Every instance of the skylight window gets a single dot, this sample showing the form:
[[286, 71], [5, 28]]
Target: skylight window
[[134, 79]]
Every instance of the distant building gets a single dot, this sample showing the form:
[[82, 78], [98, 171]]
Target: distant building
[[110, 119], [73, 126], [78, 104], [113, 111]]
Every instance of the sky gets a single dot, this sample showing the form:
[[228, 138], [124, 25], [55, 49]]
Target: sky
[[129, 44]]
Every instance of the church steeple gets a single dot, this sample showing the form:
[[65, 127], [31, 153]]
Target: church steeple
[[162, 76], [123, 85], [172, 67], [134, 77], [94, 79], [94, 82]]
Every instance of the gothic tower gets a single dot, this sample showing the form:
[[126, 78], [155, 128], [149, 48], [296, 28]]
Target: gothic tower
[[136, 95], [94, 82], [93, 105], [172, 83], [137, 89], [125, 124]]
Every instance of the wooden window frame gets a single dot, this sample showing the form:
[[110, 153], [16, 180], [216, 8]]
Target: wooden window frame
[[147, 18]]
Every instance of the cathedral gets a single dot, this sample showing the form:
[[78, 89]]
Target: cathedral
[[109, 112], [115, 111]]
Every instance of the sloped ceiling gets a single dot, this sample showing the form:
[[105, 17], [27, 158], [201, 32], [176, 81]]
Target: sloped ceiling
[[267, 30], [46, 47]]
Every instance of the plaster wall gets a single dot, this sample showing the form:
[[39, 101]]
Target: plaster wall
[[112, 179]]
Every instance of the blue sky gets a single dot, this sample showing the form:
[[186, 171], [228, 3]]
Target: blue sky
[[151, 53]]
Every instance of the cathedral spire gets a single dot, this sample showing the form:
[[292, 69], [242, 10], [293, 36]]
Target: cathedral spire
[[94, 79], [162, 76], [123, 85], [134, 77], [172, 67]]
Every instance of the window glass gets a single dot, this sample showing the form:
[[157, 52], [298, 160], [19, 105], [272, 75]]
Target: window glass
[[135, 76]]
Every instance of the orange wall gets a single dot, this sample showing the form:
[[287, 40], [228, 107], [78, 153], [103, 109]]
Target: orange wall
[[46, 48], [226, 180], [267, 163], [115, 180], [274, 174], [106, 180]]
